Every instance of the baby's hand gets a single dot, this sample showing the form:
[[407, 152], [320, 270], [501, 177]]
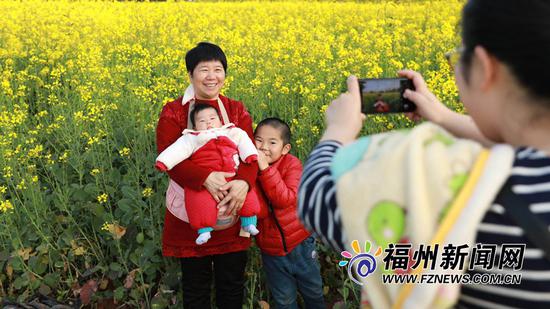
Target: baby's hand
[[160, 166], [262, 161]]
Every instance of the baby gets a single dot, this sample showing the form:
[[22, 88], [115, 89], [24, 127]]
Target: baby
[[218, 148]]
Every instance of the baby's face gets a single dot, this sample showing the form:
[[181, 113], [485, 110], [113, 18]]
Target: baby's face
[[207, 119]]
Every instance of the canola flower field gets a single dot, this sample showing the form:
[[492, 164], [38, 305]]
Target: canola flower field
[[81, 87]]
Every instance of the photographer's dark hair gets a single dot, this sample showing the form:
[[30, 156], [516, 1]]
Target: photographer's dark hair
[[517, 32], [204, 51], [200, 107], [278, 124]]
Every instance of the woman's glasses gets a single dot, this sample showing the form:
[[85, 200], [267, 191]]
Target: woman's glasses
[[454, 56]]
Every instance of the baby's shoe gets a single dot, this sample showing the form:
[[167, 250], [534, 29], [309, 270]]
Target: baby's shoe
[[203, 238], [251, 228]]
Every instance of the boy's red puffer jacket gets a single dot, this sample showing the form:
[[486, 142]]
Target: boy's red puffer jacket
[[277, 187], [178, 239]]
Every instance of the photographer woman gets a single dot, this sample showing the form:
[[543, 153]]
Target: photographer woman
[[225, 254], [477, 179]]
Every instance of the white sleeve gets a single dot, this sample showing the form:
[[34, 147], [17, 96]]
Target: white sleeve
[[245, 146], [180, 150]]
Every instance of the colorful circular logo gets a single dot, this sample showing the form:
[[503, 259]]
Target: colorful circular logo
[[362, 264]]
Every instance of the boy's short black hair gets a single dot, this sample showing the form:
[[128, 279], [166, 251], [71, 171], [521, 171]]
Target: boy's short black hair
[[204, 51], [200, 107], [279, 124]]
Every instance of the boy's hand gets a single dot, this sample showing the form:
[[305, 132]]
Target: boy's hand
[[343, 116], [262, 161]]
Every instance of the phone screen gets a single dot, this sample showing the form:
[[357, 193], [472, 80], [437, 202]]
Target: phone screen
[[385, 95]]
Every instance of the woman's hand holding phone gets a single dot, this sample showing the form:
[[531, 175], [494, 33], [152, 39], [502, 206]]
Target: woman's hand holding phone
[[343, 116], [430, 108], [427, 104]]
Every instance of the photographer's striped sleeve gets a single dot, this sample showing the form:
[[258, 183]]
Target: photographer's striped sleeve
[[317, 206]]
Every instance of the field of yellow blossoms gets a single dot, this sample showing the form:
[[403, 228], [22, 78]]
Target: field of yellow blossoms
[[81, 87]]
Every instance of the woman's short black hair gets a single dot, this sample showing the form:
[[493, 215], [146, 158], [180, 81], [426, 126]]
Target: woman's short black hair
[[517, 32], [204, 51], [200, 107], [278, 124]]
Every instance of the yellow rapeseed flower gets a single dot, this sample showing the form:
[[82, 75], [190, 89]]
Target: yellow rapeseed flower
[[102, 198], [124, 152], [5, 205], [64, 156], [147, 192], [21, 185], [35, 152], [106, 226], [315, 130], [116, 230]]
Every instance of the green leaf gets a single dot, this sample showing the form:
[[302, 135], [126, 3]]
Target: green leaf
[[57, 172], [51, 279], [91, 189], [159, 302], [141, 204], [67, 238], [43, 248], [98, 210], [135, 256], [156, 259], [149, 249], [17, 264], [171, 279], [115, 176], [140, 237], [21, 282], [37, 265], [91, 271], [114, 275], [34, 283], [80, 195], [125, 205], [4, 255], [110, 190], [135, 294], [119, 293], [116, 266], [59, 264], [44, 289], [24, 296], [129, 192]]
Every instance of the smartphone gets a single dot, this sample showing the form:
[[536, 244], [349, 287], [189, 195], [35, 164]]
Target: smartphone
[[385, 95]]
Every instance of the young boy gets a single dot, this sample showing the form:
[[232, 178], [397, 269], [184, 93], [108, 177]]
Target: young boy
[[216, 147], [288, 250]]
